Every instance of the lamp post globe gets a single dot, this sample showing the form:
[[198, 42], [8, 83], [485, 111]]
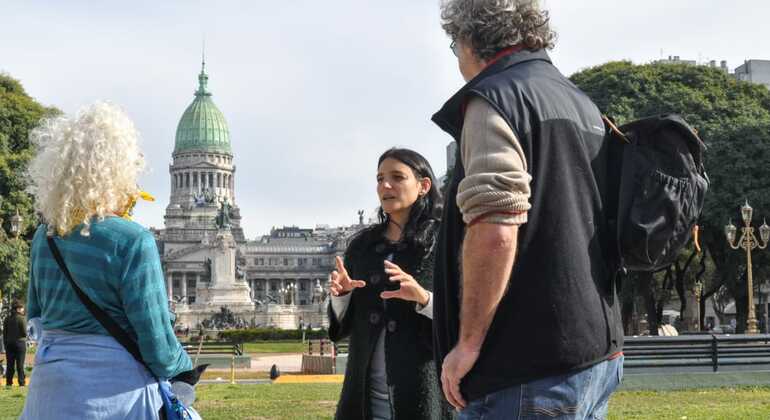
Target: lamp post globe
[[746, 213], [16, 221], [730, 231], [764, 232]]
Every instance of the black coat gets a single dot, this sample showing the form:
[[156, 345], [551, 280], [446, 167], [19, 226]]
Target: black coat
[[414, 386]]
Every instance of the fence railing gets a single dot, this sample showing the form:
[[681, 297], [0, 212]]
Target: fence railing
[[693, 353]]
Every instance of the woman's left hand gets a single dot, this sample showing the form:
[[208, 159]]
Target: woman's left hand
[[410, 290]]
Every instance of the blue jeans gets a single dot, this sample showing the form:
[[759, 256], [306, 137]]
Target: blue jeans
[[580, 395]]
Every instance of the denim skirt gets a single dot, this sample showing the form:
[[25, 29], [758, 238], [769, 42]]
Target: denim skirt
[[85, 376]]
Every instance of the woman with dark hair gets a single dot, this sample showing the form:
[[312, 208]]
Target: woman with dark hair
[[381, 299]]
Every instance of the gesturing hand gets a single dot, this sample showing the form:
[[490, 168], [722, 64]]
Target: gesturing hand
[[456, 365], [409, 290], [341, 283]]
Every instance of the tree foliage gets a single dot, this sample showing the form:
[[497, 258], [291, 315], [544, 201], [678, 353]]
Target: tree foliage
[[732, 117], [19, 114]]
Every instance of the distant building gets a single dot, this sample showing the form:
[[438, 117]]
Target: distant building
[[722, 66], [451, 155], [675, 59], [756, 71]]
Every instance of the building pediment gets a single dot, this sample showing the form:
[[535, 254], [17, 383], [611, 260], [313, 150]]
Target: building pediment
[[191, 254]]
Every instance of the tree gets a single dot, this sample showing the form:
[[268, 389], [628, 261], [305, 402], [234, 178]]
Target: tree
[[733, 118], [19, 114]]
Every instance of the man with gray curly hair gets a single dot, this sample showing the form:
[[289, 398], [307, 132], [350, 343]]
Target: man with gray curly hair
[[525, 307]]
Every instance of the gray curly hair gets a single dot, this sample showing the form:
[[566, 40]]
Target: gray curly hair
[[490, 26]]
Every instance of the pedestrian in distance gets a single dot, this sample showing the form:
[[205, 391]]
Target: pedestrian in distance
[[15, 342], [381, 300], [526, 313]]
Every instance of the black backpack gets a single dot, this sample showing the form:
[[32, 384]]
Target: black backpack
[[656, 187]]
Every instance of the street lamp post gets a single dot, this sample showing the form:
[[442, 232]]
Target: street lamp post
[[748, 241], [16, 224], [15, 230]]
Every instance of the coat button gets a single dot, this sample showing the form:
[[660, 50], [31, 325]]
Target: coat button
[[392, 326], [375, 279], [374, 318]]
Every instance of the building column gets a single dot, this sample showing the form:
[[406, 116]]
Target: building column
[[184, 287], [170, 285]]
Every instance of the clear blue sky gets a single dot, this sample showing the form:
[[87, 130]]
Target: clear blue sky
[[314, 91]]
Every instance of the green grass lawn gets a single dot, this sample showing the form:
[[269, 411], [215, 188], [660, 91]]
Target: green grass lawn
[[317, 401], [275, 347]]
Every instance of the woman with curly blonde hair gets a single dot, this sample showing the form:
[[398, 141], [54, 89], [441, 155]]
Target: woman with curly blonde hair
[[84, 182]]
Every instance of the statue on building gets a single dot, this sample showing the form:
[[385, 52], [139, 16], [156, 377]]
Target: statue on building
[[199, 199], [360, 217], [204, 197], [207, 266], [317, 292], [209, 196], [224, 217]]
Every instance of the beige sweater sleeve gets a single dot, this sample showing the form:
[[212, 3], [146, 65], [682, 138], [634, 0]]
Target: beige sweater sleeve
[[496, 184]]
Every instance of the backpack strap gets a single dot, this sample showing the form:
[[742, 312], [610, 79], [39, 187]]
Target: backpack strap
[[105, 320], [614, 129]]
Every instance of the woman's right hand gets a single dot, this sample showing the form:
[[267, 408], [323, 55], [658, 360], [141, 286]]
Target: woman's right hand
[[341, 283]]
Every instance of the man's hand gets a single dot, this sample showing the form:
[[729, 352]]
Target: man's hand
[[341, 283], [456, 365], [409, 290]]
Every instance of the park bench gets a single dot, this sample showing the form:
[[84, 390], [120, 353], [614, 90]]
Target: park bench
[[697, 353], [321, 356], [215, 353]]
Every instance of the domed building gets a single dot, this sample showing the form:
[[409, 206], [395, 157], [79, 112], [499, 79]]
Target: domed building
[[202, 170], [277, 280]]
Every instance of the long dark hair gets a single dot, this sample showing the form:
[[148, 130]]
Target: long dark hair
[[425, 213]]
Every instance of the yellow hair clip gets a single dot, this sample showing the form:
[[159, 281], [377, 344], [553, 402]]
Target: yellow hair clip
[[132, 202]]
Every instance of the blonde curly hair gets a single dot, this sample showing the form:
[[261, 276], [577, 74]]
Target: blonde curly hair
[[86, 167], [490, 26]]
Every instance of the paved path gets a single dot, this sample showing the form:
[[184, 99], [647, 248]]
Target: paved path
[[285, 362]]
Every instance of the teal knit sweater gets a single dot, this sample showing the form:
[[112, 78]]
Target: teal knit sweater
[[118, 267]]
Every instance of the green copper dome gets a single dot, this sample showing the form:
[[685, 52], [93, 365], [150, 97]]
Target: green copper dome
[[202, 127]]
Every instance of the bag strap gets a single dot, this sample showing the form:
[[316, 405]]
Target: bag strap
[[105, 320]]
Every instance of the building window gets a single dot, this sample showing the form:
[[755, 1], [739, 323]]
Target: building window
[[272, 261], [316, 261], [190, 284], [176, 283], [303, 286], [285, 261], [301, 262], [259, 261], [273, 287], [302, 302]]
